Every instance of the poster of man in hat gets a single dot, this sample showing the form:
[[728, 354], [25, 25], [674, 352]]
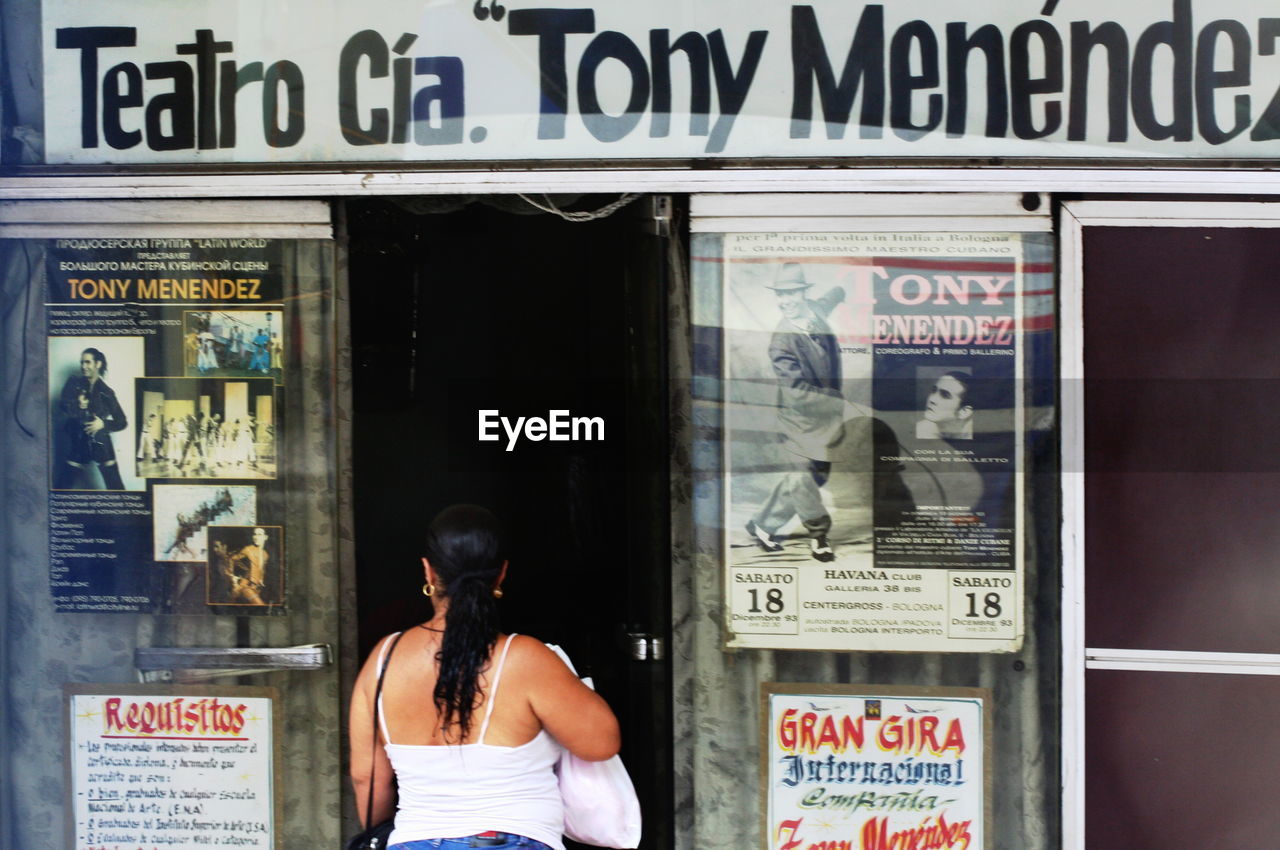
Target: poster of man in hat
[[799, 426], [806, 360], [870, 439]]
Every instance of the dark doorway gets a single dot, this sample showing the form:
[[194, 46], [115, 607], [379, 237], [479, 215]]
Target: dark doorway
[[480, 309]]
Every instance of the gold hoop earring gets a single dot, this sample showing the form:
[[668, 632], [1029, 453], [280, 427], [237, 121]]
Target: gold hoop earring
[[497, 593], [428, 589]]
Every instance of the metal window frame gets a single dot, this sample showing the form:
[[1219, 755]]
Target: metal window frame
[[274, 219], [1076, 656], [283, 183], [813, 212]]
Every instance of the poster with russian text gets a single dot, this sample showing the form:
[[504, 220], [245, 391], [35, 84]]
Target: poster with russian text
[[166, 368], [873, 439], [875, 769], [155, 768]]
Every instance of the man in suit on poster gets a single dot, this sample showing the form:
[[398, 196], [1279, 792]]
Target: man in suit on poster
[[246, 571], [806, 360]]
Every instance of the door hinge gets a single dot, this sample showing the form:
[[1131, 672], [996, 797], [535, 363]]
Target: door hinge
[[645, 647], [657, 215]]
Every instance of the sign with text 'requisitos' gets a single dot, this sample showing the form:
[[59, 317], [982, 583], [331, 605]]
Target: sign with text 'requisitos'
[[167, 767]]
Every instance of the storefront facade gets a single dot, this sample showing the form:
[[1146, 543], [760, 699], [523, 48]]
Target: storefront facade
[[852, 378]]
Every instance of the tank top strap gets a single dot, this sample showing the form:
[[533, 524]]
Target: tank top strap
[[493, 689], [382, 661]]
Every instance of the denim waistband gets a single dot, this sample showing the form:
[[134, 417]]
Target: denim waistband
[[493, 841]]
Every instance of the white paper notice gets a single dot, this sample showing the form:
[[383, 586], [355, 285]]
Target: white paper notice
[[172, 770], [876, 771]]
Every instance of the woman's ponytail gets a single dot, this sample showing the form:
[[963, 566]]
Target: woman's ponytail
[[465, 547]]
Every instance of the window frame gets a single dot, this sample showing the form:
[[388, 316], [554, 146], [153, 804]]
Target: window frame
[[1077, 657]]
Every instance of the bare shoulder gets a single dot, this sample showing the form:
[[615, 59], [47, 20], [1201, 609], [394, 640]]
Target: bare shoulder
[[533, 658], [575, 715], [381, 646], [369, 671]]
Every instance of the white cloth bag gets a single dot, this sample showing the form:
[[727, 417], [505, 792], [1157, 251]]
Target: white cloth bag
[[600, 804]]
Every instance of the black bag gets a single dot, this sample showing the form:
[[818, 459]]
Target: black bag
[[375, 837]]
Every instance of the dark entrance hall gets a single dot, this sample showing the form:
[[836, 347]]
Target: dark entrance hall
[[479, 309]]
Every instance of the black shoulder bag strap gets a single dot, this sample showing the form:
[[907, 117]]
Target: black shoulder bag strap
[[377, 701]]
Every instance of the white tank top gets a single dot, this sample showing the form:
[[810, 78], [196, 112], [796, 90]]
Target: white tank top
[[454, 790]]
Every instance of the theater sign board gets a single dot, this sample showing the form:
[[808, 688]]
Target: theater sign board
[[132, 81]]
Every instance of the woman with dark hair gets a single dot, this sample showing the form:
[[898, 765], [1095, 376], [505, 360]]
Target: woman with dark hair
[[89, 413], [471, 721]]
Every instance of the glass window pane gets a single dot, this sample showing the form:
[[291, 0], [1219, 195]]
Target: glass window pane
[[1181, 492], [732, 326], [1153, 740], [212, 502]]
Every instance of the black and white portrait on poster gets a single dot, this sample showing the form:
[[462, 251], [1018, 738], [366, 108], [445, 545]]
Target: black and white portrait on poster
[[91, 401], [872, 435]]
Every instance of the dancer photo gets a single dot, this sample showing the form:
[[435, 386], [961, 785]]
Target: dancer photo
[[242, 343], [245, 565], [806, 361], [208, 428], [91, 430]]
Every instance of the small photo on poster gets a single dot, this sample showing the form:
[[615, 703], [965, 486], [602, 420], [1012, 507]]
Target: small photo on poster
[[183, 513], [206, 428], [246, 565], [947, 403], [92, 426], [233, 343]]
